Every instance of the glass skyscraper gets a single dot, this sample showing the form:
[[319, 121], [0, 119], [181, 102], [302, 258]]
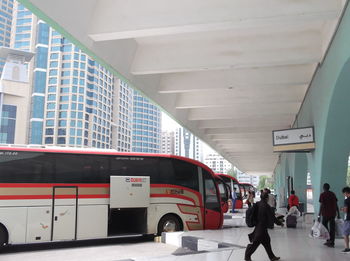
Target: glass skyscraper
[[31, 34], [75, 101], [8, 112], [122, 129], [6, 12], [188, 145], [79, 98], [146, 126]]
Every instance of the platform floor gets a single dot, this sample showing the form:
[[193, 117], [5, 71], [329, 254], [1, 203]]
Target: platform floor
[[289, 244]]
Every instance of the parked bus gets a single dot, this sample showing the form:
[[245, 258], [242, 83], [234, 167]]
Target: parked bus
[[225, 193], [55, 194], [233, 183], [247, 187]]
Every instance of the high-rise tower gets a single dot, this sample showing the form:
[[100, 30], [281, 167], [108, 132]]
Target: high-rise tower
[[75, 100], [168, 142], [187, 145], [6, 16], [146, 126], [217, 163], [122, 128]]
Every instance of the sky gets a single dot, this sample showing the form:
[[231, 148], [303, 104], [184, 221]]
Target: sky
[[168, 124]]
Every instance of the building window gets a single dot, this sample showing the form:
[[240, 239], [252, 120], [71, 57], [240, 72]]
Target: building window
[[61, 140], [48, 140]]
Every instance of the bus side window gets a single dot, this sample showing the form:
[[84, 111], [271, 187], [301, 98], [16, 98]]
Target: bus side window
[[69, 168], [167, 174], [25, 167], [96, 168], [186, 174], [119, 166], [135, 166], [211, 198]]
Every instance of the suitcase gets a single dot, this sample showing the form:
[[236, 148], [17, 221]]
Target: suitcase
[[291, 221]]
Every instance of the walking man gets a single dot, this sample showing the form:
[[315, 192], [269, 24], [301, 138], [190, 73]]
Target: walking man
[[328, 210], [265, 219], [346, 227]]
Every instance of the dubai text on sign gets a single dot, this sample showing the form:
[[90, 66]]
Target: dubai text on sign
[[301, 139]]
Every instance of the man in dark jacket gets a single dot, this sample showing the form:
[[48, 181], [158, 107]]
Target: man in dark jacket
[[265, 219], [328, 210]]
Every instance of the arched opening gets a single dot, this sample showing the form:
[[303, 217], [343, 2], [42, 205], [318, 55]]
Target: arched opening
[[336, 146]]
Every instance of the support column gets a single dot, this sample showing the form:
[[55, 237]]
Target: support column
[[300, 176]]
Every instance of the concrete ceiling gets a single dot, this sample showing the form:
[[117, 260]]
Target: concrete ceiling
[[231, 71]]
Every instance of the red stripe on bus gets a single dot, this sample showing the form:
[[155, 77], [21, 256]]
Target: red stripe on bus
[[179, 187], [4, 197], [201, 212], [172, 196], [50, 185], [174, 186], [65, 196]]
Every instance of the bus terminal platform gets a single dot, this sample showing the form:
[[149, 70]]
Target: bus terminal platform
[[227, 244], [292, 244]]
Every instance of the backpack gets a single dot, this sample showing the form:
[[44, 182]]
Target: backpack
[[251, 216]]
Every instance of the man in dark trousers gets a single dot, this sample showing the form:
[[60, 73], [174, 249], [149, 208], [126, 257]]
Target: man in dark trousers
[[328, 210], [265, 219]]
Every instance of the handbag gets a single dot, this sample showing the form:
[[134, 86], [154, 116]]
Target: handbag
[[319, 231]]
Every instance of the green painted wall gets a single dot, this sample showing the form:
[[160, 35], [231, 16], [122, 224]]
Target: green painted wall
[[300, 176], [327, 108]]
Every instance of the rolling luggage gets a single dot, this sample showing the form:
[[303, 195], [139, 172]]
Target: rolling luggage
[[291, 221]]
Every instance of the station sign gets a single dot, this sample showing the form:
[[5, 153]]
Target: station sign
[[294, 140]]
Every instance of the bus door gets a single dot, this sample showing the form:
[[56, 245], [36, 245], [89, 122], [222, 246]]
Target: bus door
[[212, 208], [239, 199], [225, 193], [64, 214]]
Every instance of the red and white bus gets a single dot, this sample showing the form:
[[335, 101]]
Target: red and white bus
[[245, 187], [233, 183], [55, 194]]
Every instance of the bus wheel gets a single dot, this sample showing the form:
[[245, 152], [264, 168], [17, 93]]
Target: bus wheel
[[169, 223], [3, 236]]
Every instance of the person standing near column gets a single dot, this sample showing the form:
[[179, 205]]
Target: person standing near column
[[234, 198], [328, 211], [346, 226], [293, 200]]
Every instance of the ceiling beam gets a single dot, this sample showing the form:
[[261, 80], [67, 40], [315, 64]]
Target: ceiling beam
[[240, 142], [239, 129], [263, 77], [253, 135], [227, 98], [197, 53], [238, 112], [218, 124], [116, 19]]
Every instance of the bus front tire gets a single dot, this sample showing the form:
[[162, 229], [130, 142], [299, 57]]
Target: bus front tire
[[3, 236], [169, 223]]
